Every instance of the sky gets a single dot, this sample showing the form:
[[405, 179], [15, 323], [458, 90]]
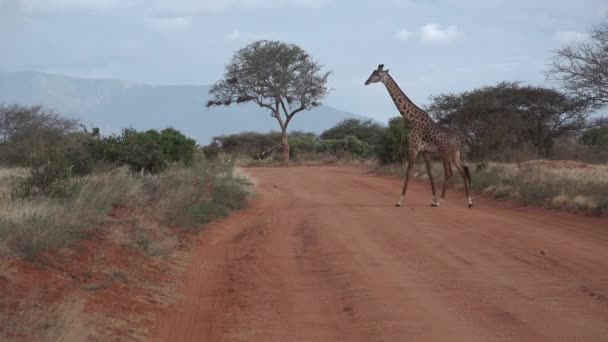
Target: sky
[[431, 47]]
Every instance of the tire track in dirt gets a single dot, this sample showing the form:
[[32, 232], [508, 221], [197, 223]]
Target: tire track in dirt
[[322, 255]]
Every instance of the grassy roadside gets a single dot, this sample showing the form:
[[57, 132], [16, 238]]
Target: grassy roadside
[[184, 197], [305, 159], [138, 229], [565, 185]]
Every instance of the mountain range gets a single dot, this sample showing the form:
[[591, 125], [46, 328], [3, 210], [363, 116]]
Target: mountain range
[[114, 104]]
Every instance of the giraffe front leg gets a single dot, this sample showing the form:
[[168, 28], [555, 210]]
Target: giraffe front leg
[[410, 167], [429, 171]]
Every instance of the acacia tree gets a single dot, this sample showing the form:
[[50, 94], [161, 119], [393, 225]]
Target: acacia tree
[[582, 67], [20, 123], [507, 115], [277, 76]]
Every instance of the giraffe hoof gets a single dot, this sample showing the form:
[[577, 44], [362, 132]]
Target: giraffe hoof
[[470, 206], [435, 205], [398, 205]]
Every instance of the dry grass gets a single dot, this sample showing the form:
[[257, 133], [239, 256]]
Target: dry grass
[[568, 185], [8, 178], [181, 196], [136, 213], [310, 159], [32, 321]]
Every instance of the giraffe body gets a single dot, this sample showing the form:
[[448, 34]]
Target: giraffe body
[[426, 137]]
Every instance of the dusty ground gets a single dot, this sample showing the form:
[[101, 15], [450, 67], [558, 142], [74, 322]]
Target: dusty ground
[[97, 290], [322, 255]]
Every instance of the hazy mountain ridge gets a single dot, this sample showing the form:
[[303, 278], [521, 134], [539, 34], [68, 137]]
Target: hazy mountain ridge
[[114, 104]]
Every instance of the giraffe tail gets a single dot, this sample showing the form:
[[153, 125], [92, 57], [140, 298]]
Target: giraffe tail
[[466, 171]]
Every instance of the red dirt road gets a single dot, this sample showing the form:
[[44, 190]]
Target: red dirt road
[[322, 255]]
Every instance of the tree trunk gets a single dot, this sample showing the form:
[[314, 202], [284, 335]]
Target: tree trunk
[[285, 144]]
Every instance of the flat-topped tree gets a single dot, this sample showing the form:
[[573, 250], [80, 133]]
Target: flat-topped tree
[[280, 77]]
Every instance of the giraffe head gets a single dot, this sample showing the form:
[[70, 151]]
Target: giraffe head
[[378, 75]]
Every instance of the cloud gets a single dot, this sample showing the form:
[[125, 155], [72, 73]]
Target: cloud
[[240, 36], [434, 33], [569, 36], [36, 6], [9, 6], [170, 23], [403, 35], [234, 35], [198, 7], [159, 7]]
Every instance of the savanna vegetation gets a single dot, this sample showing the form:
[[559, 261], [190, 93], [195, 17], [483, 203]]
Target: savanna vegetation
[[69, 197], [349, 140], [59, 181]]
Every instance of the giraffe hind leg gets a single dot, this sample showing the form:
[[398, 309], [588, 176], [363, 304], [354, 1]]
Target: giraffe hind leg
[[463, 170], [447, 171]]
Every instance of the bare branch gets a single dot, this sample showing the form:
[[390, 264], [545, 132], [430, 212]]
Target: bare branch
[[582, 67]]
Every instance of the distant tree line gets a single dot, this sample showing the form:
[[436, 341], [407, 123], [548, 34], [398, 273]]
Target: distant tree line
[[55, 148], [349, 138]]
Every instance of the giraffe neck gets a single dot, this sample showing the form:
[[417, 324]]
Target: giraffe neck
[[410, 112]]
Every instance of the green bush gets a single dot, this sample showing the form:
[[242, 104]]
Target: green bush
[[260, 146], [393, 144], [211, 151], [48, 176], [596, 138], [151, 150], [176, 147], [254, 145], [348, 144], [365, 130], [302, 143]]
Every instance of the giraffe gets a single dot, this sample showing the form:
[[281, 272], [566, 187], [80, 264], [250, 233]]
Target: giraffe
[[426, 136]]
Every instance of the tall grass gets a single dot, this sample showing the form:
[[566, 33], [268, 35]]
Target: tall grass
[[184, 197], [568, 185]]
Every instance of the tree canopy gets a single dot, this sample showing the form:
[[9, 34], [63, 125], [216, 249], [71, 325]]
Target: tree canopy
[[509, 115]]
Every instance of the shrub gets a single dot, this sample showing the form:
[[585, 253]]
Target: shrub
[[365, 130], [392, 147], [211, 151], [596, 138], [50, 178], [150, 151], [177, 147], [349, 144], [182, 196], [254, 145], [302, 143]]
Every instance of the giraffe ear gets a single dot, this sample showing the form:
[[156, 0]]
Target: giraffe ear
[[386, 71]]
